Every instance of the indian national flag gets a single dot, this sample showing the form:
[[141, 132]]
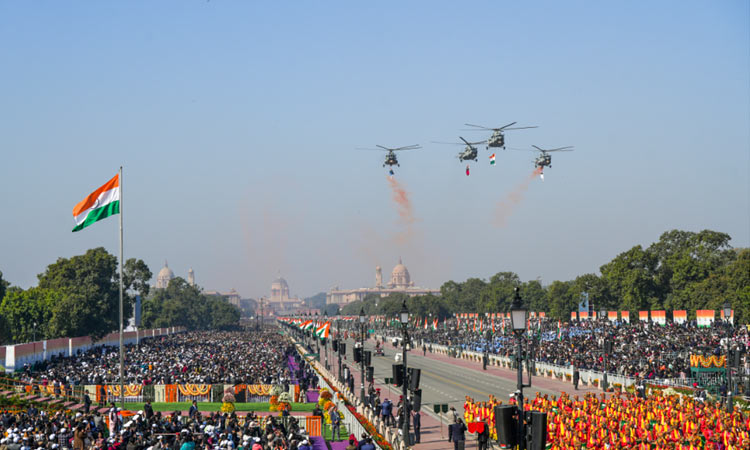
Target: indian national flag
[[492, 159], [323, 331], [98, 205], [435, 324]]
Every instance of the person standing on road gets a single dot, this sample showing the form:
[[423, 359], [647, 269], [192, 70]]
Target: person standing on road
[[417, 425], [483, 437], [385, 411], [457, 434]]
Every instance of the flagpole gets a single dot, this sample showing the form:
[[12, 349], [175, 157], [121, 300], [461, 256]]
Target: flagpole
[[122, 355]]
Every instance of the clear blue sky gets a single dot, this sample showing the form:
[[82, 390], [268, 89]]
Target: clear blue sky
[[237, 123]]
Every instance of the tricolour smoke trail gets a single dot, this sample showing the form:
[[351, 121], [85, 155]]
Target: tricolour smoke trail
[[506, 206], [401, 197]]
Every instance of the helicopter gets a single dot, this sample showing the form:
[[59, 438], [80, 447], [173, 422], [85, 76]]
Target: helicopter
[[390, 158], [498, 138], [545, 159], [469, 152]]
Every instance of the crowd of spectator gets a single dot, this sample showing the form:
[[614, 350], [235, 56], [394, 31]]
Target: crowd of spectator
[[32, 429], [640, 349], [206, 357]]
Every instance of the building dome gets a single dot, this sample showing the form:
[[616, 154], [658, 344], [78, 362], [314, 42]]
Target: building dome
[[279, 289], [164, 277], [400, 275]]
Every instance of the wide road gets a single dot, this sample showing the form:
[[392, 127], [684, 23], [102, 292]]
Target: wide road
[[444, 380]]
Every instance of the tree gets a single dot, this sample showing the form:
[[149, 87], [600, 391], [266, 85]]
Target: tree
[[3, 286], [223, 315], [597, 291], [21, 309], [89, 304], [497, 295], [737, 275], [561, 300], [630, 277], [685, 258], [135, 277], [535, 296], [181, 304]]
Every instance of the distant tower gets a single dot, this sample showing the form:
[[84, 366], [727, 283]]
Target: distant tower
[[378, 277], [164, 277], [191, 277]]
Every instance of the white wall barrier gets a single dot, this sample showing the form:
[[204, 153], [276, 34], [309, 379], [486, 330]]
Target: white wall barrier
[[17, 355]]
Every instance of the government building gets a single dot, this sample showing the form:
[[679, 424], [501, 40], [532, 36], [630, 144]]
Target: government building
[[400, 283], [280, 301]]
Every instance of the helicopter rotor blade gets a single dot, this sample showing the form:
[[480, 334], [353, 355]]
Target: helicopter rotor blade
[[372, 149], [446, 143], [465, 141], [540, 149], [477, 126], [408, 147], [506, 126], [519, 128], [559, 149]]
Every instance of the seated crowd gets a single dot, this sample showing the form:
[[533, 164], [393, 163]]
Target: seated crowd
[[186, 358], [641, 349], [32, 430]]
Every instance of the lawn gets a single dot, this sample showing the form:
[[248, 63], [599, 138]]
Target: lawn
[[343, 433], [205, 406]]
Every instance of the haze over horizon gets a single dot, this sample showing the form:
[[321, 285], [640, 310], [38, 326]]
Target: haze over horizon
[[238, 124]]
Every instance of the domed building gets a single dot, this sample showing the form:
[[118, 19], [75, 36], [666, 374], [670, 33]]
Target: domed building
[[400, 283], [280, 300], [279, 289], [400, 277], [164, 277]]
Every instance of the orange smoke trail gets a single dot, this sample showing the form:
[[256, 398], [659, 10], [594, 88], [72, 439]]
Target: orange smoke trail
[[401, 197], [506, 206]]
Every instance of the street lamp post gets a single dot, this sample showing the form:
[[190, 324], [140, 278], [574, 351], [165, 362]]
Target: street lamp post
[[404, 319], [727, 313], [362, 319], [317, 341], [518, 315], [325, 341], [338, 333]]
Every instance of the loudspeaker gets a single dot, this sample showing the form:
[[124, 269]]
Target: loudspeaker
[[368, 357], [416, 400], [398, 374], [357, 354], [538, 430], [335, 344], [342, 348], [505, 425], [414, 374], [370, 373]]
